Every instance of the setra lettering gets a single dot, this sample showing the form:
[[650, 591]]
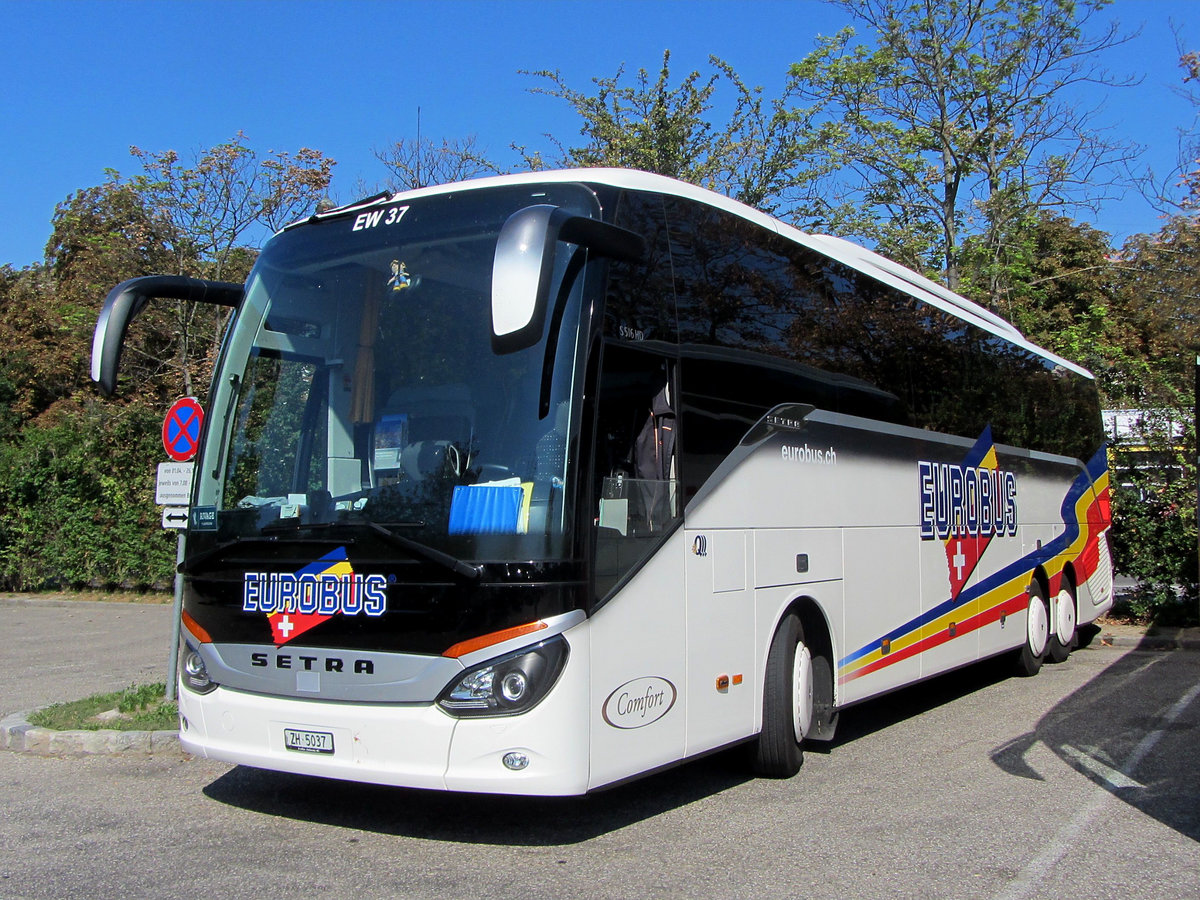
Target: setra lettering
[[309, 663]]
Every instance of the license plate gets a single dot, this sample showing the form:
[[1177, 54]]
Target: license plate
[[307, 741]]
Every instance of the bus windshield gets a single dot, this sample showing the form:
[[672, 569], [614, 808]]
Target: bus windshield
[[359, 387]]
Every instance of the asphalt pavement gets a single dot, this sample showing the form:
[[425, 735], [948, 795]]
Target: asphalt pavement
[[57, 650], [1082, 781]]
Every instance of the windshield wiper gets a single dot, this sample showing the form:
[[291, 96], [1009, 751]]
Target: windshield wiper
[[445, 560], [193, 564]]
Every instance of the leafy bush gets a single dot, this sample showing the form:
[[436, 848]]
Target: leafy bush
[[1154, 525], [77, 502]]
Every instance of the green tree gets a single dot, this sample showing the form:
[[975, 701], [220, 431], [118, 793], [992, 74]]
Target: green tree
[[76, 501], [77, 475], [1056, 285], [38, 366], [958, 120], [420, 163], [765, 153], [228, 198], [1157, 298], [217, 207], [1154, 514], [104, 234], [101, 236]]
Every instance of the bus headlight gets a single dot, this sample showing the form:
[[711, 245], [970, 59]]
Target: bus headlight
[[193, 673], [509, 685]]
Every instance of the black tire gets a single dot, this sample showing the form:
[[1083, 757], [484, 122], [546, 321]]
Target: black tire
[[1064, 618], [1028, 660], [778, 751]]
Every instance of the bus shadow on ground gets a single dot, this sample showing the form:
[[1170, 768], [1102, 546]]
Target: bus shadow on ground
[[541, 821], [476, 818], [882, 712], [1080, 720], [890, 709], [1114, 730]]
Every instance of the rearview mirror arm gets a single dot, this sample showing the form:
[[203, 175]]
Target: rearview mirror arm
[[128, 299]]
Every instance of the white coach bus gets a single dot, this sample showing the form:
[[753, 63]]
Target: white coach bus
[[538, 483]]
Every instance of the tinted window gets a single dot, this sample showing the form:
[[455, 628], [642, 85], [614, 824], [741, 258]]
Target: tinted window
[[858, 346], [640, 299]]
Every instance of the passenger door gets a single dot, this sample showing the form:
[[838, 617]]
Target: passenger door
[[719, 690]]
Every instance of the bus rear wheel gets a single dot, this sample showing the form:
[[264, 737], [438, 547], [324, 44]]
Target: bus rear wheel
[[787, 703], [1037, 633], [1062, 641]]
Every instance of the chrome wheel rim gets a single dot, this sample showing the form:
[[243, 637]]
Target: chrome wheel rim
[[1064, 616], [1038, 626], [802, 692]]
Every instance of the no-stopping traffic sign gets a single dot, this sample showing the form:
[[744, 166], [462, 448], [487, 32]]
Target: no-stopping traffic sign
[[181, 429]]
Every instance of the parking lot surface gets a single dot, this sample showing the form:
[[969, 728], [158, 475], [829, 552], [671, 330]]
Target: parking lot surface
[[1082, 781]]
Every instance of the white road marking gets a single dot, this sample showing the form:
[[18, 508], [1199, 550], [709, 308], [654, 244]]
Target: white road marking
[[1030, 877]]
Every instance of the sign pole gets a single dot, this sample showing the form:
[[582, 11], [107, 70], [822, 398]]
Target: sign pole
[[181, 439], [176, 618]]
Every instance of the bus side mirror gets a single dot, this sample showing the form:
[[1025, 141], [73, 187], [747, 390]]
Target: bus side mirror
[[524, 265], [128, 299]]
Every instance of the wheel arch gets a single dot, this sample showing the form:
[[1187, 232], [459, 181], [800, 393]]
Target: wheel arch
[[819, 637], [1042, 577], [1072, 576]]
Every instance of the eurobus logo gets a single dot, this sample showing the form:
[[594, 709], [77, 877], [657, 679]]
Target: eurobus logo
[[295, 603], [966, 501], [964, 506]]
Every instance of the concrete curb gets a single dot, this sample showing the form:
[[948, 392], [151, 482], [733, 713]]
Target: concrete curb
[[1145, 642], [19, 736]]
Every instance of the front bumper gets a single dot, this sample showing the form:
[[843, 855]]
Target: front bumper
[[407, 745]]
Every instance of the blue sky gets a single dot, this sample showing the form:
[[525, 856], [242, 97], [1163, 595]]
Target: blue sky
[[85, 80]]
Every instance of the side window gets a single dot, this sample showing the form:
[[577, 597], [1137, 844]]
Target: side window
[[635, 496], [727, 285], [914, 351], [744, 287], [640, 298], [849, 343]]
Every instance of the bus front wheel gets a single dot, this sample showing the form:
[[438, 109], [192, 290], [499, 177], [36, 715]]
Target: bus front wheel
[[787, 703]]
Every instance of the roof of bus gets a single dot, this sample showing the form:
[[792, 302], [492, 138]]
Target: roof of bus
[[850, 254]]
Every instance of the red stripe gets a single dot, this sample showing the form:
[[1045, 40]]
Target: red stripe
[[1009, 607]]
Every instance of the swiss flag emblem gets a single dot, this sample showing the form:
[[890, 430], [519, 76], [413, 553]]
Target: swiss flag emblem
[[964, 550], [287, 626], [962, 556]]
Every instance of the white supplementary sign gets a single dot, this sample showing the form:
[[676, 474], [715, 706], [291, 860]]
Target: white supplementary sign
[[175, 517], [174, 486]]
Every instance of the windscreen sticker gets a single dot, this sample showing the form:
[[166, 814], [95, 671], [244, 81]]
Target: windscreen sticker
[[296, 603]]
